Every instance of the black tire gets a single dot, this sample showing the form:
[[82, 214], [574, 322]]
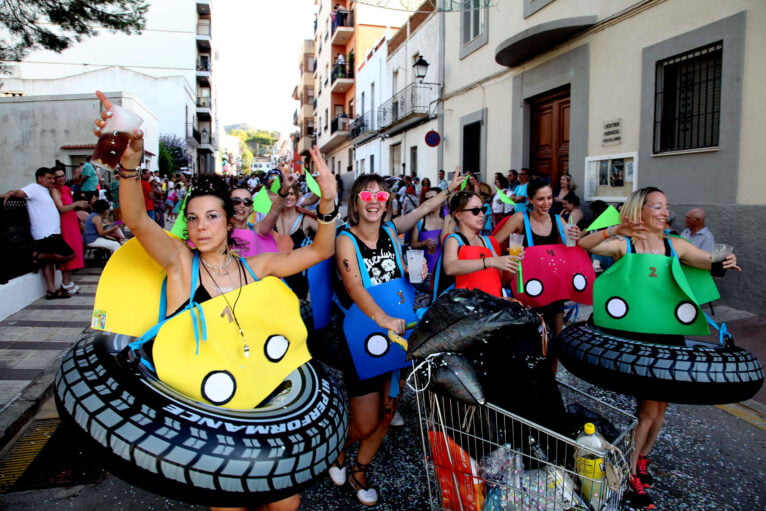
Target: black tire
[[162, 441], [675, 374]]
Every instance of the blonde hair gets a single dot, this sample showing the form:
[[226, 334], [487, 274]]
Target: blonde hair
[[631, 209]]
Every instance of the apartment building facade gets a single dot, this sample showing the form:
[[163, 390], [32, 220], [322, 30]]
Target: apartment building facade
[[343, 31], [398, 107]]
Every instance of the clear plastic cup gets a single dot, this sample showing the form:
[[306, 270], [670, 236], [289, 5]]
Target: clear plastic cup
[[515, 244], [415, 260], [720, 252], [115, 136]]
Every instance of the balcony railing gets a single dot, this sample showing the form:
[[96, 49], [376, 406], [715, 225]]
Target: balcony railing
[[341, 71], [204, 65], [340, 123], [413, 99], [342, 18], [203, 101], [363, 124], [197, 135]]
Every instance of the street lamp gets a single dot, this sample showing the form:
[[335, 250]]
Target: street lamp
[[420, 67]]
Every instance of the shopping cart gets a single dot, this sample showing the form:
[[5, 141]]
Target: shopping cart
[[482, 457]]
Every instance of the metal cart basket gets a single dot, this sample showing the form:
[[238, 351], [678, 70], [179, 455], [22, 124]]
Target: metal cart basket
[[474, 456]]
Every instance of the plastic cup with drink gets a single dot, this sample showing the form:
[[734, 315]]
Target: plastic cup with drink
[[571, 233], [720, 252], [415, 260], [515, 244], [115, 136]]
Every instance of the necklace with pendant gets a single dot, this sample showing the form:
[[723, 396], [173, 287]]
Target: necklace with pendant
[[231, 308]]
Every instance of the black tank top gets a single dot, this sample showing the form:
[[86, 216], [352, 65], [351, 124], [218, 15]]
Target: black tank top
[[552, 238]]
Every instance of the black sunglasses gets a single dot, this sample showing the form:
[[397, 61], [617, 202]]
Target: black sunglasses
[[246, 202], [475, 211]]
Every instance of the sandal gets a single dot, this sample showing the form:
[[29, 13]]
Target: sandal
[[337, 473], [364, 493], [59, 293]]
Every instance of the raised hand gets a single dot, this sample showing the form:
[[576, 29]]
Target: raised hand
[[133, 154], [288, 180], [325, 179], [457, 180]]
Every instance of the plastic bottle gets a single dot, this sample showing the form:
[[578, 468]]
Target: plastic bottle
[[590, 467]]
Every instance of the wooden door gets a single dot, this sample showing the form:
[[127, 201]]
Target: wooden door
[[549, 134]]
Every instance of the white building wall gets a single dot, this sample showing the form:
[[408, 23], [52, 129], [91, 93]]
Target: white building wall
[[50, 122]]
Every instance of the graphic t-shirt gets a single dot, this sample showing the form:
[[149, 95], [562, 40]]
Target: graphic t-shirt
[[381, 261]]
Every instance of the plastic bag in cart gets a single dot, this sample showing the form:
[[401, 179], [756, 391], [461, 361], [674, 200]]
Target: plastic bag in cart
[[545, 489]]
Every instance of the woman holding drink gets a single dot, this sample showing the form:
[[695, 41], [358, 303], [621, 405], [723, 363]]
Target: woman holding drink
[[207, 212], [642, 231], [544, 228], [475, 261]]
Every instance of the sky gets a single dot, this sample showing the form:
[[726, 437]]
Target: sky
[[259, 44]]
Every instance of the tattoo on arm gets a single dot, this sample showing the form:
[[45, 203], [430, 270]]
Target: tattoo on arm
[[346, 265]]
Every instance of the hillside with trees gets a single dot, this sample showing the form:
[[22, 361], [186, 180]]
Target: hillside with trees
[[254, 142]]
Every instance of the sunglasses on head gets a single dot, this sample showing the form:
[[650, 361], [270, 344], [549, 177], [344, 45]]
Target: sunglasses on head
[[475, 211], [246, 202], [368, 196]]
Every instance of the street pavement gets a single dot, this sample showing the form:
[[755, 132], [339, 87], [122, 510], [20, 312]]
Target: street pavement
[[706, 458]]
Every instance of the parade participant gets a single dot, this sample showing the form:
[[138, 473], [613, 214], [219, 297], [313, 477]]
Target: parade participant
[[543, 227], [207, 213], [70, 229], [369, 257], [475, 261], [252, 239], [426, 235], [643, 219]]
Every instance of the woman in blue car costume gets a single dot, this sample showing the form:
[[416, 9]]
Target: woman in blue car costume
[[369, 261], [207, 217], [653, 257]]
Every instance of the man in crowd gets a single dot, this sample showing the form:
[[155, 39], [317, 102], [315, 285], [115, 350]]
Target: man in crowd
[[442, 182], [88, 179], [696, 232], [520, 192], [49, 248]]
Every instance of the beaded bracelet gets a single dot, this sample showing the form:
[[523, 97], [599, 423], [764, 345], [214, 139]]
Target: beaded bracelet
[[128, 173]]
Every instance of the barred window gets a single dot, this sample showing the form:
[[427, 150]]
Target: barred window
[[687, 109]]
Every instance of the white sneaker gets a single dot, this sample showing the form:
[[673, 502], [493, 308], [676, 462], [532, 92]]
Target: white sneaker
[[367, 497], [72, 288], [338, 475], [398, 420]]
